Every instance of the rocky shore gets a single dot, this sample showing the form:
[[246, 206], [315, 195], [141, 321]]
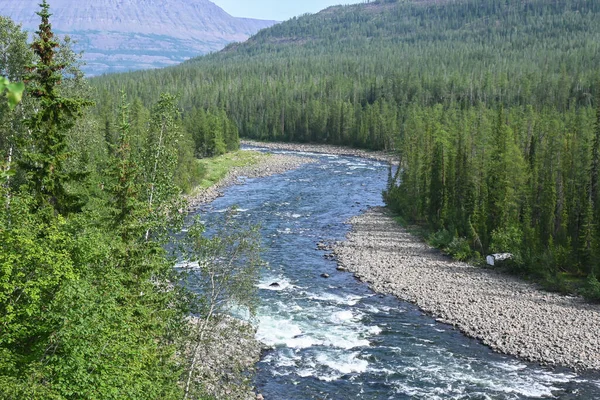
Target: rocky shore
[[228, 358], [326, 149], [509, 315], [228, 361], [270, 164]]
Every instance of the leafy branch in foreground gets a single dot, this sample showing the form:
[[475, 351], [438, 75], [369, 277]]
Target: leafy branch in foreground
[[14, 91], [223, 269]]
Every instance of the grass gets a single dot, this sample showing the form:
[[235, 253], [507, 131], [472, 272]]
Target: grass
[[216, 168]]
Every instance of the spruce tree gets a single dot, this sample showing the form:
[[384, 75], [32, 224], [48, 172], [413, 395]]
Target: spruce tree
[[44, 160]]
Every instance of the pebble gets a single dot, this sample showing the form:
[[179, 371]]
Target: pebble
[[507, 314], [273, 165], [327, 149]]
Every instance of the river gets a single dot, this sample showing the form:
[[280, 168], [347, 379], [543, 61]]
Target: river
[[333, 338]]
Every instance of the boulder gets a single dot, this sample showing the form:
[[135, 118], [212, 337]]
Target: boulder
[[494, 259]]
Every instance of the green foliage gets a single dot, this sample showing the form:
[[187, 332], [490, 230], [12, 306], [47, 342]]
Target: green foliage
[[440, 239], [591, 289], [456, 247], [460, 249], [213, 133], [508, 240], [45, 158], [89, 307], [14, 91]]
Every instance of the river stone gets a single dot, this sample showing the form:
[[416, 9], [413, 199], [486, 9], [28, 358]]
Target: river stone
[[483, 303]]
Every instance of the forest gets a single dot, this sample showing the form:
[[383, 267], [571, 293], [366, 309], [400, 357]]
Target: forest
[[492, 107], [93, 301]]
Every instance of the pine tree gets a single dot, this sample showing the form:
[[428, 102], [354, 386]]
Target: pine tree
[[595, 199]]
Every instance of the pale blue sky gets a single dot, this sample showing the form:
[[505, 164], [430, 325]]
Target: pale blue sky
[[278, 10]]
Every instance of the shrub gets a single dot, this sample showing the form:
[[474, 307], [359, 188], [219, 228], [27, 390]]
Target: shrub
[[591, 289], [459, 249], [440, 239]]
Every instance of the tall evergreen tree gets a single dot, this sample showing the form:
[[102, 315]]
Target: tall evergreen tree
[[44, 161]]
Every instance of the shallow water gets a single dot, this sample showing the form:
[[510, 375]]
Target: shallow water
[[334, 338]]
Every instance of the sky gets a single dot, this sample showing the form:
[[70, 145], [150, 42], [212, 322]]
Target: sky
[[279, 10]]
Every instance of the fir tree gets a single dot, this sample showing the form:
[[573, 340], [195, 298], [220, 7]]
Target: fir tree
[[44, 161]]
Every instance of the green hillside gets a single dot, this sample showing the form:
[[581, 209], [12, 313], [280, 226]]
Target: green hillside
[[327, 77], [491, 106]]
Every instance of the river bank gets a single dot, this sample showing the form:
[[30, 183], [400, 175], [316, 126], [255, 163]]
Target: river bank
[[325, 149], [262, 166], [230, 357], [509, 315]]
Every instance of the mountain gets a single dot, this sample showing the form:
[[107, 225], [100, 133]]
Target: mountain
[[121, 35]]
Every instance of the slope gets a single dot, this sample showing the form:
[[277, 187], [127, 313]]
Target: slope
[[492, 106], [119, 35]]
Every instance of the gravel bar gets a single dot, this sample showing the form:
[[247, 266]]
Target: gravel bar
[[271, 164], [509, 315], [326, 149]]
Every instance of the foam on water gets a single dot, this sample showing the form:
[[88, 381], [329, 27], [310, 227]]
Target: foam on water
[[346, 363], [458, 374], [342, 330], [274, 331], [348, 300], [187, 265], [342, 316]]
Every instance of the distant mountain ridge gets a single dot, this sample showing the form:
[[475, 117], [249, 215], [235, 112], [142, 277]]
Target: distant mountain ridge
[[121, 35]]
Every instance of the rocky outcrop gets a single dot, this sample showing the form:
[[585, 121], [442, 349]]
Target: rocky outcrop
[[121, 35]]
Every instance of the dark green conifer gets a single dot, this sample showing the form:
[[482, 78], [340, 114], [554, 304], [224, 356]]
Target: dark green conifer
[[45, 157]]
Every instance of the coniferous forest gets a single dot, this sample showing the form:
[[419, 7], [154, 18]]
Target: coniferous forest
[[492, 107], [91, 306]]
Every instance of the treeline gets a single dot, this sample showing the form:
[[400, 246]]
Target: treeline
[[201, 133], [511, 180], [490, 104], [348, 74], [91, 306]]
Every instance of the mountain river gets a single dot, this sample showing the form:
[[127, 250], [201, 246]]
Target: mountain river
[[334, 338]]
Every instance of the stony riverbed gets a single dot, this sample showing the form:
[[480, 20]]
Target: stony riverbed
[[505, 313], [269, 165]]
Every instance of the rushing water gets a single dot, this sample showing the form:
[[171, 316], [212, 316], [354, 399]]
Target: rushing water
[[334, 338]]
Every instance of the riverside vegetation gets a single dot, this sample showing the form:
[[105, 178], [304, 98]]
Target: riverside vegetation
[[492, 107], [91, 305]]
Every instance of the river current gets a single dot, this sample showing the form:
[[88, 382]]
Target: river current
[[336, 339]]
